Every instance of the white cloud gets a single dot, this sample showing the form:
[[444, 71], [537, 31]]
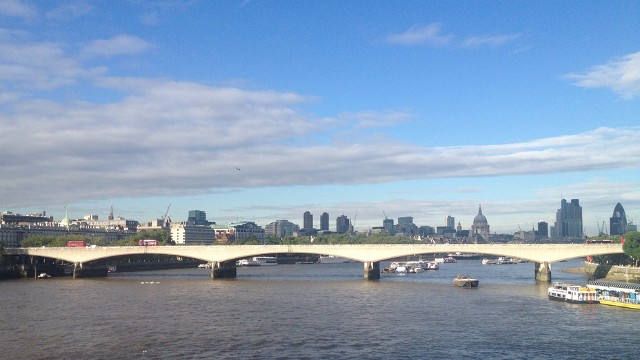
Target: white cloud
[[183, 138], [417, 35], [489, 40], [432, 35], [69, 10], [17, 8], [44, 65], [118, 45], [620, 75]]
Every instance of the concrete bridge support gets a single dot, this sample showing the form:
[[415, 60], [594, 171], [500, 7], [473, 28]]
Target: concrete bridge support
[[543, 272], [80, 271], [77, 268], [223, 270], [372, 270]]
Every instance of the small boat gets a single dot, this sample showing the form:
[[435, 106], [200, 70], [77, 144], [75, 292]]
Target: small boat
[[43, 276], [447, 259], [570, 293], [247, 262], [433, 266], [465, 281], [487, 261], [620, 294]]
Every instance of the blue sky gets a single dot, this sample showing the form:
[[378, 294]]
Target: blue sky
[[261, 110]]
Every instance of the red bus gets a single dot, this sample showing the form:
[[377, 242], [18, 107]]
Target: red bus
[[76, 243], [148, 242]]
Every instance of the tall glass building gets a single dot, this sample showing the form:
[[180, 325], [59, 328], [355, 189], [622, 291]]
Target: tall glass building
[[569, 219], [618, 221]]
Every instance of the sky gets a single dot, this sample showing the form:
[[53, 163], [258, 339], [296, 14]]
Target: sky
[[261, 110]]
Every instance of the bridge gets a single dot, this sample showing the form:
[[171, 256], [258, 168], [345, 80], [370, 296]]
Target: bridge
[[223, 257]]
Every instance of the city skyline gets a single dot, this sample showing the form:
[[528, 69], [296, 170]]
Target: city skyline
[[199, 217], [260, 111]]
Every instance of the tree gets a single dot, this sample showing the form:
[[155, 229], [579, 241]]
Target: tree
[[631, 245]]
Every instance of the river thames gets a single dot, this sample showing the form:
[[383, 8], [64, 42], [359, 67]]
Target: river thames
[[311, 311]]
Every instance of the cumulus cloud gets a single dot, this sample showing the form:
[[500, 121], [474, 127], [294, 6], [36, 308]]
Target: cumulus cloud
[[179, 138], [430, 34], [620, 75], [39, 65], [118, 45]]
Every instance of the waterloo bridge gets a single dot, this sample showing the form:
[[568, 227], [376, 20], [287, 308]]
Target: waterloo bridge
[[223, 257]]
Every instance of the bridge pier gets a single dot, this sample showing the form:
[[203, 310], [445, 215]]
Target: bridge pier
[[223, 270], [372, 270], [543, 271], [76, 270], [90, 271]]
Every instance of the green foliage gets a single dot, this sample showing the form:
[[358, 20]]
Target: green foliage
[[161, 235], [631, 245], [58, 241], [251, 240]]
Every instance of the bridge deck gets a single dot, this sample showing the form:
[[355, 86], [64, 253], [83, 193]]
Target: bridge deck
[[540, 253]]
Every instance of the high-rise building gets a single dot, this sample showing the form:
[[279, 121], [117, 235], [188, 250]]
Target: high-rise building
[[618, 221], [342, 224], [387, 224], [451, 222], [569, 219], [281, 228], [324, 221], [198, 217], [307, 221], [406, 226], [543, 230]]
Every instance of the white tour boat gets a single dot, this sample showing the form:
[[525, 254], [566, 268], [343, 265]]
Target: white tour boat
[[572, 293]]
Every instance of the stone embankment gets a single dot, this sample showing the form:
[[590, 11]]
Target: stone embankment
[[612, 272]]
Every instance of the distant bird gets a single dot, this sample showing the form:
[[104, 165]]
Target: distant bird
[[237, 168]]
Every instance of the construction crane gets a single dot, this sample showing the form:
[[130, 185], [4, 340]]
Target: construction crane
[[602, 230], [165, 218]]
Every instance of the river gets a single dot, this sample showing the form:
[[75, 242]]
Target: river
[[318, 311]]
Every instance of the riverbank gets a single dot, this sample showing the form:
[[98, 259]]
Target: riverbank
[[612, 272]]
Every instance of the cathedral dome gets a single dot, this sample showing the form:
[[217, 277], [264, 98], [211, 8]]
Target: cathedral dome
[[480, 218]]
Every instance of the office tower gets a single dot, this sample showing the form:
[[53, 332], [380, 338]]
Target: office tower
[[197, 217], [569, 219], [307, 221], [618, 221], [342, 224], [324, 221]]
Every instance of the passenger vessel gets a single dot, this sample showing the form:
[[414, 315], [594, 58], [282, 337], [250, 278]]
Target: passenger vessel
[[265, 260], [247, 262], [403, 267], [620, 294], [330, 259], [570, 293]]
